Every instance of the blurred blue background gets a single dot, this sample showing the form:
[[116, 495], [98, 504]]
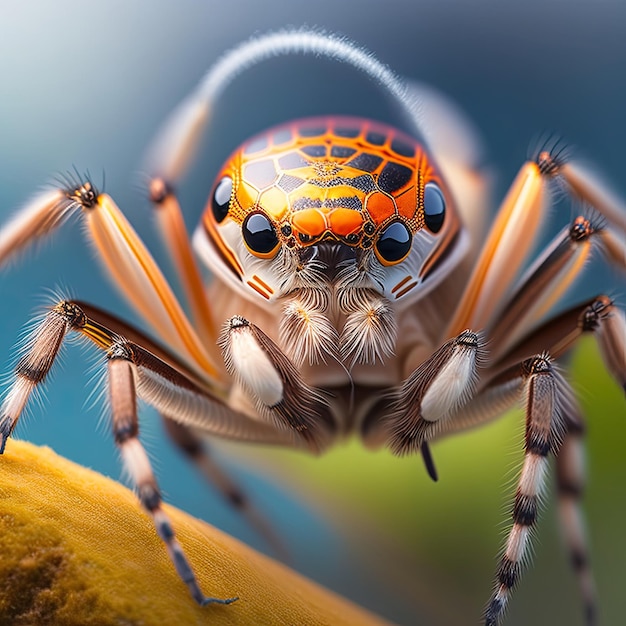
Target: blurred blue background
[[87, 84]]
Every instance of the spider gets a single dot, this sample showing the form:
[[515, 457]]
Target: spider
[[356, 291]]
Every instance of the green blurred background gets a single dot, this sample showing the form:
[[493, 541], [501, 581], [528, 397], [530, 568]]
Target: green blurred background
[[87, 84]]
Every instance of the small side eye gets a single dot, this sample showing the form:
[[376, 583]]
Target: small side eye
[[394, 243], [259, 235], [434, 207], [221, 199]]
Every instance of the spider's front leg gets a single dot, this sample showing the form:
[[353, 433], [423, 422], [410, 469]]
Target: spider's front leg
[[134, 370], [547, 402], [123, 401]]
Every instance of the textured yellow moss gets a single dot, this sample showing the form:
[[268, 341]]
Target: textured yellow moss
[[75, 548]]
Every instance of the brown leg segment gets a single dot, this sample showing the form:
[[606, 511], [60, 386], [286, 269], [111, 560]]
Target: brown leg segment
[[123, 398]]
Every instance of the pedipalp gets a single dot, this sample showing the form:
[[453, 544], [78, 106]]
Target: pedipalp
[[273, 382]]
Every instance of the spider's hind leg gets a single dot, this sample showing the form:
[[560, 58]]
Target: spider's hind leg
[[570, 473], [196, 449]]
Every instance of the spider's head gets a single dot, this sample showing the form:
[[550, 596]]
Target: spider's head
[[343, 208]]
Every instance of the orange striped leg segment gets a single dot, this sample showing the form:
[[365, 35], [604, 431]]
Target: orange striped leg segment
[[142, 282], [174, 233], [546, 399], [127, 260], [545, 282], [517, 226], [509, 241]]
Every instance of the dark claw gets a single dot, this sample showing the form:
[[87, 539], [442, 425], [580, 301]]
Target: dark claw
[[429, 462]]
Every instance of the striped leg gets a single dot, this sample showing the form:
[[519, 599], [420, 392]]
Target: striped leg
[[546, 400], [133, 371], [544, 283], [128, 262], [197, 451], [172, 227], [516, 228], [32, 369], [123, 397], [499, 388], [570, 482]]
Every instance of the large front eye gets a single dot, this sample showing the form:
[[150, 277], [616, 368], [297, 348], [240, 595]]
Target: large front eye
[[220, 202], [259, 235], [394, 243], [434, 207]]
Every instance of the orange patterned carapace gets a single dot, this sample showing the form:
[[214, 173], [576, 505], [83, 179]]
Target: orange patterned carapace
[[338, 179]]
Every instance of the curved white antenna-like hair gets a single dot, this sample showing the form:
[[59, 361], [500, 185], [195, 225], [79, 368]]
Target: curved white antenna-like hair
[[176, 144]]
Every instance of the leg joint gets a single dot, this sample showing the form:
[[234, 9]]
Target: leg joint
[[119, 349], [159, 190], [127, 429], [525, 509], [537, 365], [508, 572], [591, 318], [149, 497], [71, 313]]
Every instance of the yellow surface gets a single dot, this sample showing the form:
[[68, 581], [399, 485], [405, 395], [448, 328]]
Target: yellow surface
[[76, 548]]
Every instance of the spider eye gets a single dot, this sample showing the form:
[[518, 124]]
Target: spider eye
[[394, 243], [259, 235], [221, 199], [434, 207]]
